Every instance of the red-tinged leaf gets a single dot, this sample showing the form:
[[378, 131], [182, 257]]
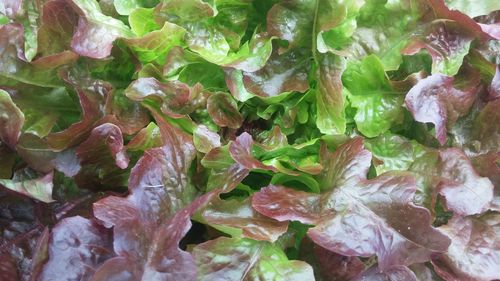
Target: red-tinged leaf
[[175, 97], [474, 252], [91, 98], [36, 152], [19, 230], [464, 191], [11, 8], [156, 256], [329, 100], [381, 212], [40, 255], [446, 42], [239, 219], [36, 188], [349, 163], [486, 127], [77, 247], [8, 267], [102, 158], [159, 188], [224, 110], [67, 162], [282, 73], [11, 120], [423, 272], [105, 141], [284, 204], [369, 217], [442, 11], [297, 21], [241, 151], [493, 30], [204, 139], [96, 32], [226, 173], [236, 259], [486, 166], [14, 68], [401, 273], [435, 100], [57, 23], [146, 138], [329, 265], [130, 115], [494, 89]]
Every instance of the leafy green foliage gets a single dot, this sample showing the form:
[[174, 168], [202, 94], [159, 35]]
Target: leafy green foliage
[[249, 140]]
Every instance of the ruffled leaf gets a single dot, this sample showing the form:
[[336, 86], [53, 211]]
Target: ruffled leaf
[[96, 32], [78, 246], [245, 259], [474, 252], [435, 99], [11, 120], [372, 209]]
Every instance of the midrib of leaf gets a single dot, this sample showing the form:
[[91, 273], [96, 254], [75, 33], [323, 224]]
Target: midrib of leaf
[[252, 262]]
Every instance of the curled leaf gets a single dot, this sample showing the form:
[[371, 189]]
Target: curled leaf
[[11, 120], [436, 100]]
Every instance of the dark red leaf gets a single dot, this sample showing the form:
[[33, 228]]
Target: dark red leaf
[[474, 252], [284, 204], [8, 268], [224, 110], [442, 11], [282, 73], [105, 141], [153, 212], [92, 99], [330, 265], [435, 99], [401, 273], [77, 247], [365, 217]]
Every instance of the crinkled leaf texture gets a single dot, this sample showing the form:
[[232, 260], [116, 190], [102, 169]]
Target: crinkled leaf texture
[[464, 191], [151, 221], [447, 45], [239, 219], [358, 216], [401, 273], [230, 165], [435, 100], [78, 246], [379, 106], [96, 32], [237, 259], [11, 120], [474, 252]]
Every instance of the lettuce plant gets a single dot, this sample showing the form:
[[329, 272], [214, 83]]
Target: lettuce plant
[[237, 140]]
